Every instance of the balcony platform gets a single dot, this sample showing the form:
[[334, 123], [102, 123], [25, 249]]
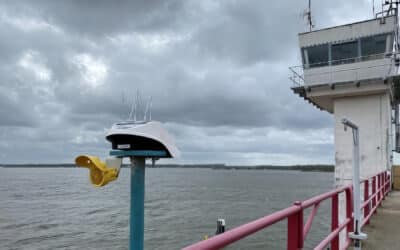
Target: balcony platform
[[301, 91]]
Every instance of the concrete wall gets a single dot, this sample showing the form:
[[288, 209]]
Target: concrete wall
[[372, 113]]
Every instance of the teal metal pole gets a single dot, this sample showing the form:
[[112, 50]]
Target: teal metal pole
[[137, 203]]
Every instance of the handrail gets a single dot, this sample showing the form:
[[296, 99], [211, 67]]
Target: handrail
[[344, 70], [332, 235], [240, 232], [353, 59], [296, 230], [297, 72]]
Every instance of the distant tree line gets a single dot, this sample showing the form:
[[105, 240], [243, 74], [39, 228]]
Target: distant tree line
[[316, 167]]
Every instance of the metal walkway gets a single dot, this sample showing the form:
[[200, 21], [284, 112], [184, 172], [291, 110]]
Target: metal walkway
[[384, 228]]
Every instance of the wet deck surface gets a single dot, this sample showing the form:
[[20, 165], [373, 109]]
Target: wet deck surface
[[384, 228]]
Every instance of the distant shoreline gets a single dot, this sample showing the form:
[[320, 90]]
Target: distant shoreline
[[305, 168]]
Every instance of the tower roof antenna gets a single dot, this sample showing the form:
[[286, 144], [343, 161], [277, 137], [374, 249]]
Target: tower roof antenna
[[373, 8], [389, 7], [307, 14]]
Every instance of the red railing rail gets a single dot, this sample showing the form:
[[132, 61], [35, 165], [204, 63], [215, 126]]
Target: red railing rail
[[297, 230]]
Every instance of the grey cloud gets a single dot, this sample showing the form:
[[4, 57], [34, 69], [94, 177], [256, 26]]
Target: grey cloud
[[103, 17], [215, 100], [244, 34], [217, 72], [14, 113]]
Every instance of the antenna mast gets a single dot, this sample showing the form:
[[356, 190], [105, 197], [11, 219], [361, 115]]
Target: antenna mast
[[389, 7], [393, 5], [148, 110], [309, 17], [373, 8]]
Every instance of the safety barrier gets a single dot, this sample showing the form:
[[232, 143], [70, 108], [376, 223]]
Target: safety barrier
[[297, 230], [301, 75]]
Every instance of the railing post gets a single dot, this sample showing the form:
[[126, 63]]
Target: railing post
[[385, 175], [379, 189], [374, 192], [387, 187], [366, 197], [349, 211], [384, 185], [335, 221], [295, 229], [388, 181], [389, 184]]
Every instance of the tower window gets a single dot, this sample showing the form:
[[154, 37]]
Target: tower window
[[344, 52], [318, 56], [373, 47]]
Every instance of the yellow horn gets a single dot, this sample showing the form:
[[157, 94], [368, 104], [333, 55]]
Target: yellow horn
[[100, 174]]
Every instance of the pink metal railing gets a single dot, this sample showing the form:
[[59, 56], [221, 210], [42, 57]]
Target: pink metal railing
[[297, 230]]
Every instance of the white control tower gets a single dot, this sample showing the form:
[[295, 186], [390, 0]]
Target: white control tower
[[352, 71]]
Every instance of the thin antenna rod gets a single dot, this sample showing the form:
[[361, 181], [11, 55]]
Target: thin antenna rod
[[136, 104], [388, 8], [151, 104], [133, 107], [382, 9], [309, 15], [147, 110], [373, 8]]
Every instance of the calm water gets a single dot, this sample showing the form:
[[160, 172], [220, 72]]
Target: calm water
[[45, 208]]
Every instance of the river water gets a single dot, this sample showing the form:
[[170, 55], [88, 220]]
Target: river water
[[57, 208]]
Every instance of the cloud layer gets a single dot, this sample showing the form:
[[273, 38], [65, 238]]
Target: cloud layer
[[217, 71]]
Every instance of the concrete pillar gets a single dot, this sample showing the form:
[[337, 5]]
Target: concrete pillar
[[372, 114]]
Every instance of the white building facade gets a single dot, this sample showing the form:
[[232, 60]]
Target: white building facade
[[352, 71]]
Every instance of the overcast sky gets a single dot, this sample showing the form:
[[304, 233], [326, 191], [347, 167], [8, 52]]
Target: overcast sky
[[217, 71]]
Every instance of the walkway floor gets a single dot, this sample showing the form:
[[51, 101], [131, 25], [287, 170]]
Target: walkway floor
[[384, 228]]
